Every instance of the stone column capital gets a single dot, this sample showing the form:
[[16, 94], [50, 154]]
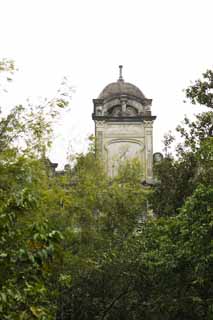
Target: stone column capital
[[100, 123], [148, 124]]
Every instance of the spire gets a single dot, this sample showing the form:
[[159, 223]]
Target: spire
[[120, 73]]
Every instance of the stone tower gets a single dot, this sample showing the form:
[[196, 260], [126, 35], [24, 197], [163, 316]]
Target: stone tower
[[124, 126]]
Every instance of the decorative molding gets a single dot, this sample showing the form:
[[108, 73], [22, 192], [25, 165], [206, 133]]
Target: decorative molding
[[98, 102], [100, 123], [148, 124], [147, 108], [141, 118], [118, 140]]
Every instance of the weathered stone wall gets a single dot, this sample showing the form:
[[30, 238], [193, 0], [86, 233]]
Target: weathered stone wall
[[120, 141]]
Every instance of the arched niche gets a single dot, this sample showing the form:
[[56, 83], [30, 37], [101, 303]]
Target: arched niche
[[120, 150], [130, 103]]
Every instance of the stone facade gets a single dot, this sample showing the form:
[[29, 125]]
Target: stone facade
[[124, 127]]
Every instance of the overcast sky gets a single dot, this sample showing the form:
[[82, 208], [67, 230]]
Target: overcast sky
[[163, 45]]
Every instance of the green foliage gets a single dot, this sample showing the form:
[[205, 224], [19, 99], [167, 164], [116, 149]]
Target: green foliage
[[28, 242], [181, 259], [100, 216], [201, 91], [178, 177]]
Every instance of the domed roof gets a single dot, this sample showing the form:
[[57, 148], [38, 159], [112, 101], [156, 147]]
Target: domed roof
[[119, 88]]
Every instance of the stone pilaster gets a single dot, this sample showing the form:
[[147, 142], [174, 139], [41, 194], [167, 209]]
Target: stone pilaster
[[99, 134], [148, 129]]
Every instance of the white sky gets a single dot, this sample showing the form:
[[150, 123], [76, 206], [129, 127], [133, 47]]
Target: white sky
[[163, 44]]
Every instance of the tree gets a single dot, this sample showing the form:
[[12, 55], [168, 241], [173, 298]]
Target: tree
[[178, 176], [201, 91], [105, 214], [28, 243]]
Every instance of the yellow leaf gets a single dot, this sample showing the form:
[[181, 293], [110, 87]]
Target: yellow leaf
[[37, 312]]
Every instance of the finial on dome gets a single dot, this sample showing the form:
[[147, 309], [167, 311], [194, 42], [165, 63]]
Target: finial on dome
[[120, 73]]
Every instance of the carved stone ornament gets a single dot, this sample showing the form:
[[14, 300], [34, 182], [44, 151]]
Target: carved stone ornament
[[100, 123], [99, 111], [120, 111], [116, 111], [148, 124], [147, 108], [157, 157]]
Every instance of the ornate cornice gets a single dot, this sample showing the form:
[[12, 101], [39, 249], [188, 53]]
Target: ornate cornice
[[98, 102], [144, 118]]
